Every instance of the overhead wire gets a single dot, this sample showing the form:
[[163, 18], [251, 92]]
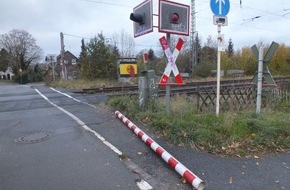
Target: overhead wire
[[262, 11], [285, 9], [258, 16], [238, 4]]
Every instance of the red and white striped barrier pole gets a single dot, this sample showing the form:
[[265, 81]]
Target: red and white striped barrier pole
[[195, 181]]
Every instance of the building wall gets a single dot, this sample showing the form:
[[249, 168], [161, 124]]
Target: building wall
[[7, 75], [69, 59]]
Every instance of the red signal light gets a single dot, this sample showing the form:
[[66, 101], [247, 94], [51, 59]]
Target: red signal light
[[174, 18]]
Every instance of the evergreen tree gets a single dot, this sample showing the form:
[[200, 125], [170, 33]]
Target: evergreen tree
[[84, 52], [197, 43], [115, 51], [208, 51], [83, 55], [207, 60], [97, 59], [4, 60], [230, 50], [151, 60], [151, 54]]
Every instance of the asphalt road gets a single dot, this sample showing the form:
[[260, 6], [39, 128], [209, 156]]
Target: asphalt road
[[55, 139], [42, 148]]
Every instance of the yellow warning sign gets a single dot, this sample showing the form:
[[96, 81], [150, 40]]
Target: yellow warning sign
[[128, 69]]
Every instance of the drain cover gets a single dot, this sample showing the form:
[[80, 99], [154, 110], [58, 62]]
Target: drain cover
[[33, 137]]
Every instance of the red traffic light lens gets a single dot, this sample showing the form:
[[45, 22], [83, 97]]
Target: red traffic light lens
[[174, 18]]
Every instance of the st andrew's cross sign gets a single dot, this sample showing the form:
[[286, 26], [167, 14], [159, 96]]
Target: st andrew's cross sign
[[171, 57]]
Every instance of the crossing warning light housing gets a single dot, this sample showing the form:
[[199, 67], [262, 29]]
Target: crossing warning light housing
[[173, 18], [142, 18]]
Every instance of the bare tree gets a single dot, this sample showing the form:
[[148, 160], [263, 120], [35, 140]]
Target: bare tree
[[210, 42], [125, 43], [22, 49]]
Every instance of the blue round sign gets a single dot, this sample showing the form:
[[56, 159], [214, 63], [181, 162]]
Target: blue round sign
[[220, 7]]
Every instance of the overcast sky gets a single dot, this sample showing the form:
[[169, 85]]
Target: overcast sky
[[45, 19]]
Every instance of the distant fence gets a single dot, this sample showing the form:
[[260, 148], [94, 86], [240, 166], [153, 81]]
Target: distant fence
[[237, 98]]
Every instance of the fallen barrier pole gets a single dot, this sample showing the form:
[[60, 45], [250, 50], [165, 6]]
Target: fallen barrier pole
[[190, 177]]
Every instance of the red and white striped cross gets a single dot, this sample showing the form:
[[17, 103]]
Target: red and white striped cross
[[171, 57]]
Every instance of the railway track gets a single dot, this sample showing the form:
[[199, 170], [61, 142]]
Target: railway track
[[188, 88]]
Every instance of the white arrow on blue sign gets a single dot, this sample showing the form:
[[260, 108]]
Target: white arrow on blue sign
[[220, 7]]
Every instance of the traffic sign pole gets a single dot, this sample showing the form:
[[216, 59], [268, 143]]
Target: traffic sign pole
[[218, 71], [220, 9], [260, 81]]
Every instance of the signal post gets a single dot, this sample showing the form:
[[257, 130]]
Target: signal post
[[173, 18]]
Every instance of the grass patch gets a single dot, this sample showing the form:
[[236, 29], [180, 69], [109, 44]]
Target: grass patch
[[81, 84], [232, 133], [239, 134]]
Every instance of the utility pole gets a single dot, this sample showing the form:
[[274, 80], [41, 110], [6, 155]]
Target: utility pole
[[62, 56], [193, 57]]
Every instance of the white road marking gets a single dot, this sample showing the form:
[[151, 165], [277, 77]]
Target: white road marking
[[143, 185], [72, 97], [82, 124]]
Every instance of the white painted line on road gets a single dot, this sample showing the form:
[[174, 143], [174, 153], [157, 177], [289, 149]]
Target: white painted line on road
[[72, 97], [143, 185], [82, 124]]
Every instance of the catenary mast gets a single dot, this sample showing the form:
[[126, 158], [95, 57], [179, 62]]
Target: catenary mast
[[192, 36]]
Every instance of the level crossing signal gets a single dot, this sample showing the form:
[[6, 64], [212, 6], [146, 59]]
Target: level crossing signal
[[139, 18], [142, 17]]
